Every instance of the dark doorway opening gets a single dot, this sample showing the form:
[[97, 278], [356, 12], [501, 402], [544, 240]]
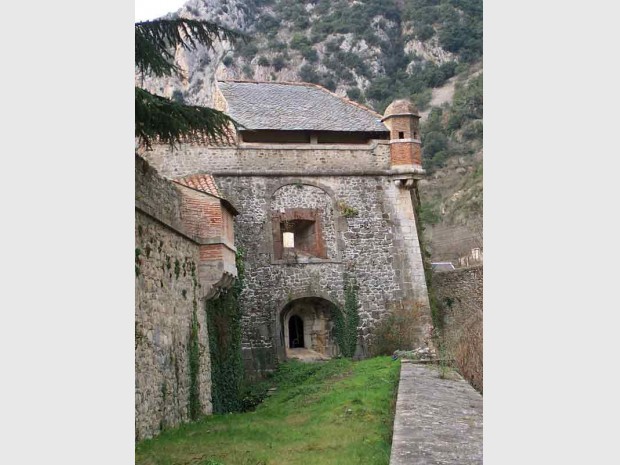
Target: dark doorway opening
[[295, 332]]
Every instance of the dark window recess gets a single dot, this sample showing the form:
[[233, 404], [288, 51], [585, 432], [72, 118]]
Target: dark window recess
[[297, 234], [401, 135], [304, 235]]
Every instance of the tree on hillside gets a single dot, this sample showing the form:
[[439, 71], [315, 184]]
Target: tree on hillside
[[159, 119]]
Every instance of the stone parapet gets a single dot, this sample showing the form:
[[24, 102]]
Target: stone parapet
[[268, 158], [437, 419]]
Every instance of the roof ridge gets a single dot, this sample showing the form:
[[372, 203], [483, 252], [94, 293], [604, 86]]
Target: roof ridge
[[305, 84]]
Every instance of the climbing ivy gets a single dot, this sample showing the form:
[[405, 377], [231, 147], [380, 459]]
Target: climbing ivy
[[347, 320], [224, 325], [194, 366]]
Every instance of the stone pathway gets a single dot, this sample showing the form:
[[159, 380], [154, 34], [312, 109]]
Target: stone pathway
[[437, 421]]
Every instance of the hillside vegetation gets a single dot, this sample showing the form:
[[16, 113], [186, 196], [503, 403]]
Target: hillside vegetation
[[371, 51]]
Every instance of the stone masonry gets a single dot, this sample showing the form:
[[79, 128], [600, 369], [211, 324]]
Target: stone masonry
[[378, 245], [459, 291], [175, 228], [438, 419], [363, 228]]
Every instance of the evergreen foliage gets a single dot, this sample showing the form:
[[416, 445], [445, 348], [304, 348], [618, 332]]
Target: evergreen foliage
[[157, 118]]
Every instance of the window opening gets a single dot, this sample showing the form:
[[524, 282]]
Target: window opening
[[401, 135], [300, 236], [288, 240]]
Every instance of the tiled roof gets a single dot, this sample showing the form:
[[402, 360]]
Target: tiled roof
[[205, 183], [292, 106], [200, 182], [401, 107]]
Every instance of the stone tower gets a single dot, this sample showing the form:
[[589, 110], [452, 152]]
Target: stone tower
[[325, 193]]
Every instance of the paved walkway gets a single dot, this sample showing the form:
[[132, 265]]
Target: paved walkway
[[437, 421]]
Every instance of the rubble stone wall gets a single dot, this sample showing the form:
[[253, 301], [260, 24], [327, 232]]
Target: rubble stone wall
[[459, 291], [370, 234], [265, 158], [367, 222], [166, 297]]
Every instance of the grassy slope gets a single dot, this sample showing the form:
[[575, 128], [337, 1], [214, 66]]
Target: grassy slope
[[339, 412]]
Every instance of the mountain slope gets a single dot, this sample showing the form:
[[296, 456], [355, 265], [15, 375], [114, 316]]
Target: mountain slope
[[372, 51]]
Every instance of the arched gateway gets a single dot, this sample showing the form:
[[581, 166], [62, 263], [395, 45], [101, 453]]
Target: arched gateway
[[307, 329]]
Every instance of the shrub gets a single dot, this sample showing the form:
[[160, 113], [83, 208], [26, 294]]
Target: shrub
[[307, 73], [262, 61], [354, 94], [310, 54], [300, 42], [177, 96], [248, 50], [396, 331], [279, 62], [247, 71], [333, 45]]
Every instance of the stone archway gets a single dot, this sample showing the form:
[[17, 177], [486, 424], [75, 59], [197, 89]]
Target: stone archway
[[308, 329]]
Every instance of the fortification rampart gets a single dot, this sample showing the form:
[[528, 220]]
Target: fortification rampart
[[351, 216], [167, 296], [373, 157], [460, 295], [369, 233]]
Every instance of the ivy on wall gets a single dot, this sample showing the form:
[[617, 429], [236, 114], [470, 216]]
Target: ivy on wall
[[194, 366], [347, 320], [224, 325]]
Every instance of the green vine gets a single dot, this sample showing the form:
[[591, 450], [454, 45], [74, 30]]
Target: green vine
[[138, 261], [194, 366], [347, 321], [177, 268], [224, 325], [347, 211]]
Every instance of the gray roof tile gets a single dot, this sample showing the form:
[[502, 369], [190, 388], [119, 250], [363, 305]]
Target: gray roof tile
[[295, 106]]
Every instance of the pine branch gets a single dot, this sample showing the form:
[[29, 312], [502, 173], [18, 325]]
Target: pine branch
[[155, 42], [162, 120]]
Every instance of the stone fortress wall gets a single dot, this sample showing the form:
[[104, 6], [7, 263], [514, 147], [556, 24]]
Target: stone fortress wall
[[167, 292], [459, 291], [367, 220]]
